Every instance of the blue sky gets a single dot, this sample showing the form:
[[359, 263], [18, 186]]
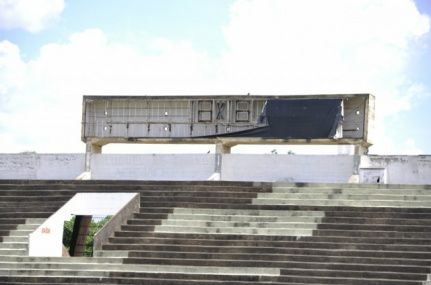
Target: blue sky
[[52, 52]]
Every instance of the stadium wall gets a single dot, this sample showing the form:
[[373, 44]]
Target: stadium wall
[[41, 166], [287, 168], [233, 167], [152, 166]]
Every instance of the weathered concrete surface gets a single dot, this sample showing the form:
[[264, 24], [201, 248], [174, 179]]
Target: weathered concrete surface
[[401, 169], [351, 245], [41, 166], [287, 168], [152, 166], [116, 221], [46, 240], [232, 167]]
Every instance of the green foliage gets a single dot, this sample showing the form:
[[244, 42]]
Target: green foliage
[[95, 226], [67, 233], [290, 152]]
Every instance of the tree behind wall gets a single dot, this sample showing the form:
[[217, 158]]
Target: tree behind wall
[[96, 224]]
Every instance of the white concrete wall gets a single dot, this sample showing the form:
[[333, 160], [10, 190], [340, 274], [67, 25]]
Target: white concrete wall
[[41, 166], [287, 168], [47, 239], [235, 167], [401, 169], [152, 166]]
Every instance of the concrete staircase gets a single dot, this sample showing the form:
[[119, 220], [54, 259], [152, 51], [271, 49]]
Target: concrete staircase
[[231, 233]]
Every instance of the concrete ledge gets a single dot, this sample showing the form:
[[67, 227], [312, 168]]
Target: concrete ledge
[[222, 221], [343, 203], [86, 175], [116, 221], [235, 231], [103, 270], [46, 240]]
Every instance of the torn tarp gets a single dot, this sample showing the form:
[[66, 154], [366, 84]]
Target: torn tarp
[[296, 119]]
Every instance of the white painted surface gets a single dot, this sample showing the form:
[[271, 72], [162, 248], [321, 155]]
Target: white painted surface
[[372, 175], [235, 167], [401, 169], [47, 239], [41, 166], [287, 168], [152, 166]]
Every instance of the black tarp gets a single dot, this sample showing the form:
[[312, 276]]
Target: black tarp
[[296, 119]]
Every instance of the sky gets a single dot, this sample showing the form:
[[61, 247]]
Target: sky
[[52, 52]]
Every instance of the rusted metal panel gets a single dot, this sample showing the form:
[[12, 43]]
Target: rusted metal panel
[[354, 114]]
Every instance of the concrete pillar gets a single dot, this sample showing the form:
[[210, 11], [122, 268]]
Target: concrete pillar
[[361, 150], [93, 148], [356, 166], [222, 148], [90, 149]]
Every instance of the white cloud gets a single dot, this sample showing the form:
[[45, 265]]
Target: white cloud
[[47, 105], [321, 46], [324, 47], [410, 148], [30, 15], [12, 72], [274, 47]]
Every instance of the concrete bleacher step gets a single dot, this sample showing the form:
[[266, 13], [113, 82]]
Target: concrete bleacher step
[[254, 239], [375, 227], [406, 197], [186, 193], [351, 189], [380, 220], [372, 234], [234, 230], [282, 255], [133, 186], [20, 233], [371, 186], [13, 251], [130, 241], [329, 267], [6, 194], [347, 224], [17, 239], [28, 209], [220, 221], [241, 224], [149, 278], [365, 234], [340, 202], [15, 242], [96, 267], [32, 198], [173, 204], [391, 214], [25, 214], [60, 260], [246, 212], [185, 199], [111, 253], [268, 253], [282, 264], [356, 197], [13, 246]]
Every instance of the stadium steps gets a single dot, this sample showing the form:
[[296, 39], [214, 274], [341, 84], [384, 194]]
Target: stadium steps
[[234, 233]]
